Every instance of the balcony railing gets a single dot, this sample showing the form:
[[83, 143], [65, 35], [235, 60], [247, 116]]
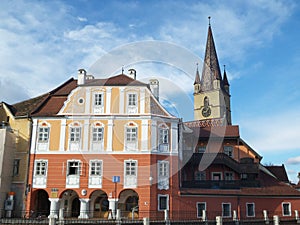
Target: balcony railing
[[220, 184]]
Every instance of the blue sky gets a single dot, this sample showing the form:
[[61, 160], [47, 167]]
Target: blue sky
[[43, 43]]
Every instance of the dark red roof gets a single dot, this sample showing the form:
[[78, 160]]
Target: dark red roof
[[119, 80], [279, 172]]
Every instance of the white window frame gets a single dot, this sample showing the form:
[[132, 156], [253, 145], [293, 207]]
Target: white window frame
[[43, 136], [96, 166], [79, 167], [226, 177], [197, 206], [163, 174], [159, 199], [289, 208], [40, 170], [131, 137], [40, 173], [97, 137], [132, 104], [75, 136], [98, 103], [226, 203], [130, 173], [247, 205], [163, 138], [216, 173], [228, 150]]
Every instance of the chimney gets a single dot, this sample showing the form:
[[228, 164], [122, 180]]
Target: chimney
[[132, 73], [154, 87], [81, 76]]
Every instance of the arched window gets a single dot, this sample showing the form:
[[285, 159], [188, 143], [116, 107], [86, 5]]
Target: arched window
[[43, 136], [131, 137]]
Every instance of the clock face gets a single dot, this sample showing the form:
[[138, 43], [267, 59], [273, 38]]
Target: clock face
[[206, 111]]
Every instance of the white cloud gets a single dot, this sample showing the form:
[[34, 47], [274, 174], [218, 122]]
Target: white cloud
[[82, 19], [293, 161]]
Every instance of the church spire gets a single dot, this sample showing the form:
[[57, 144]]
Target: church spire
[[197, 77], [211, 69]]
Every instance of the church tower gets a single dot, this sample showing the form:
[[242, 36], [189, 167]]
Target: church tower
[[211, 92]]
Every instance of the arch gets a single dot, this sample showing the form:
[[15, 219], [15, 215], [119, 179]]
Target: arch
[[69, 201], [99, 205], [40, 203], [129, 202]]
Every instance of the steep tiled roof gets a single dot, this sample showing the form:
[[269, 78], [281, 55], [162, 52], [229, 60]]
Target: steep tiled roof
[[55, 99], [119, 80], [25, 108], [279, 172]]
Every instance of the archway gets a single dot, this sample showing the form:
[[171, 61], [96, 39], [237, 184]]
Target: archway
[[41, 204], [129, 203], [70, 203], [99, 204]]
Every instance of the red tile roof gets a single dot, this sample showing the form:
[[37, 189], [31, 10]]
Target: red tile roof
[[119, 80], [279, 172]]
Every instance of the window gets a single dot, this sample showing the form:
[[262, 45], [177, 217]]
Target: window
[[16, 167], [286, 209], [163, 169], [131, 134], [200, 207], [98, 100], [95, 167], [132, 100], [130, 168], [163, 202], [40, 168], [75, 134], [43, 134], [200, 175], [163, 136], [244, 176], [226, 209], [97, 134], [216, 176], [229, 176], [228, 150], [130, 173], [201, 149], [163, 175], [74, 168], [250, 207]]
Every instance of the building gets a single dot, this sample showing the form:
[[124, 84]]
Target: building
[[100, 147], [16, 124], [220, 173], [98, 144]]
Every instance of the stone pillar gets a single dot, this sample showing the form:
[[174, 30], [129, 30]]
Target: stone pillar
[[112, 206], [219, 220], [84, 208], [276, 220], [266, 218], [53, 207]]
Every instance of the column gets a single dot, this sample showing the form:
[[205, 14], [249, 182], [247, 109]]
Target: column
[[62, 135], [113, 202], [85, 135], [145, 138], [174, 137], [34, 133], [110, 125], [142, 101], [53, 207], [121, 99], [153, 135], [108, 100], [84, 208]]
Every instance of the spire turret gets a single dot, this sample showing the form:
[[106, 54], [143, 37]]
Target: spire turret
[[211, 69], [197, 83]]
